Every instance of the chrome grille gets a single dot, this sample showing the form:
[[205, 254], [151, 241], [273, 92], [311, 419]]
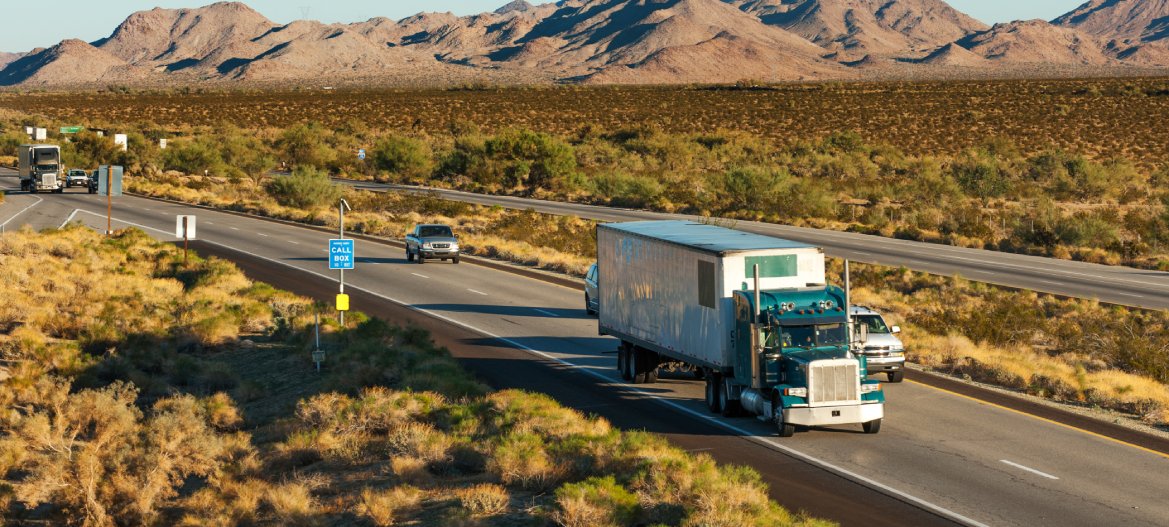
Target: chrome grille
[[833, 381]]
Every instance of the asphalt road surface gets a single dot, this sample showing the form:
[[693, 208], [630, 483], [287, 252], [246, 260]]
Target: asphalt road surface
[[940, 457], [1112, 284]]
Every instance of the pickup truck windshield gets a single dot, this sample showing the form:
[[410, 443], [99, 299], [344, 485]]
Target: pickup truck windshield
[[874, 322], [434, 230], [808, 337]]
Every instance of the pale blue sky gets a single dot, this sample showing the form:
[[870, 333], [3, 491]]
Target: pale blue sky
[[90, 20]]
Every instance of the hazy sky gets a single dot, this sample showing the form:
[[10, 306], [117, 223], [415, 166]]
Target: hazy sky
[[90, 20]]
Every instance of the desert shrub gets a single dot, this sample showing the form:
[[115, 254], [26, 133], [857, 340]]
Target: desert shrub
[[306, 188], [484, 499], [595, 502], [193, 157], [406, 157], [531, 159], [306, 144]]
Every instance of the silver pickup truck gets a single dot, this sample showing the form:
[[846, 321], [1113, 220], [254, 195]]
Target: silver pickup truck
[[432, 242]]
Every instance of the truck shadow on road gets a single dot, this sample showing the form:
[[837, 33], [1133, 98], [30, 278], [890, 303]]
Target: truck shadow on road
[[511, 311]]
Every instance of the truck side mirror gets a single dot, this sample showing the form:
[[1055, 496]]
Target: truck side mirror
[[895, 329], [862, 333]]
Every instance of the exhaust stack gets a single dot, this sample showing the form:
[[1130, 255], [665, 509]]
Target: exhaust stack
[[756, 380]]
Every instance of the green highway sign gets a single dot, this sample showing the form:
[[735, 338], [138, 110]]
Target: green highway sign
[[71, 129]]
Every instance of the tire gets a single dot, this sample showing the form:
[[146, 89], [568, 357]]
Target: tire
[[782, 428], [636, 366], [588, 307], [409, 255], [421, 259], [455, 260], [622, 358], [731, 407], [713, 393], [896, 376], [872, 427]]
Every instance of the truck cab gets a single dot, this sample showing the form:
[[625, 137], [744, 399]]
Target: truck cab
[[794, 362], [40, 168]]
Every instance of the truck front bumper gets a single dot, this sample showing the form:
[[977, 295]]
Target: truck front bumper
[[834, 415], [884, 364], [438, 253]]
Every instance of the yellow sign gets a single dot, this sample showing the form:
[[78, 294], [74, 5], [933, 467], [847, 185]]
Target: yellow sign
[[342, 302]]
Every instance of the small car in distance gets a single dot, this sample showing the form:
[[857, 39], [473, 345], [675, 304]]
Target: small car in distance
[[592, 305], [76, 177], [883, 351], [432, 241]]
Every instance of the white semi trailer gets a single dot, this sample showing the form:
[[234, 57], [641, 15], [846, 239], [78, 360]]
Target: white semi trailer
[[40, 168], [753, 314]]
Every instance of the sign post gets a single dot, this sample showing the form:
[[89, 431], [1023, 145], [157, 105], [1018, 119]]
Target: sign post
[[185, 229], [109, 179], [341, 257]]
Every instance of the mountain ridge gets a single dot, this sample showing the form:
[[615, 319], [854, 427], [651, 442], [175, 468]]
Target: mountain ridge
[[605, 42]]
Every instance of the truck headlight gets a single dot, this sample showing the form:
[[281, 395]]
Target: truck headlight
[[796, 392], [870, 388], [425, 245], [454, 246]]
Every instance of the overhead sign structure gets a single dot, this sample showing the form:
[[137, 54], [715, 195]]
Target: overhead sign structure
[[341, 254]]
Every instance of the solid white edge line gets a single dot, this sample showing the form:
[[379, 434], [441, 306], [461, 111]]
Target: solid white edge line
[[262, 234], [69, 219], [22, 211], [478, 292], [1028, 469], [420, 275], [745, 434]]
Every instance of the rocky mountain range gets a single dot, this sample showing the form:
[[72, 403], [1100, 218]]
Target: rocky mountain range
[[606, 41]]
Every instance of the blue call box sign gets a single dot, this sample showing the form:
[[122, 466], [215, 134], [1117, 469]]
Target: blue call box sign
[[341, 254]]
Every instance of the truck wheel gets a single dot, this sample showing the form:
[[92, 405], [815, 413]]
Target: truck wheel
[[872, 427], [421, 259], [731, 407], [896, 376], [637, 367], [713, 393], [455, 260], [588, 306], [409, 255], [784, 429], [622, 355]]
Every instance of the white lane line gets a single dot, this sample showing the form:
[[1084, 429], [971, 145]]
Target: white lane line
[[262, 234], [549, 313], [1134, 295], [862, 253], [69, 219], [420, 275], [209, 222], [235, 228], [477, 292], [750, 436], [294, 243], [1028, 469], [22, 211], [1052, 283], [992, 273]]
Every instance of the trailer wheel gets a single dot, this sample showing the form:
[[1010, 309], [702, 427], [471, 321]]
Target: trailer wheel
[[872, 427], [637, 366], [713, 393], [650, 363], [896, 376], [784, 429], [623, 361], [731, 407]]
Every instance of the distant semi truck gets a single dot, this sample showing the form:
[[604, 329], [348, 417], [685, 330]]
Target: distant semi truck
[[40, 168], [753, 314]]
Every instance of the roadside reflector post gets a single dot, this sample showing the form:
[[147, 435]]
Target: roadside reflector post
[[185, 229], [184, 241]]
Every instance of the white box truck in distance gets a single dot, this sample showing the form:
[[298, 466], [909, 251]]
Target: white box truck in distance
[[40, 168], [752, 313]]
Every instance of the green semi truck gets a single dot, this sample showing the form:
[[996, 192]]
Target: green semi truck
[[753, 315]]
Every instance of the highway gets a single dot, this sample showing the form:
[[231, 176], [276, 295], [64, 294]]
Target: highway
[[940, 458], [1112, 284]]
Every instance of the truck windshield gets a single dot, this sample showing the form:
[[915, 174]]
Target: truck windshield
[[873, 322], [434, 230], [47, 168], [808, 337]]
